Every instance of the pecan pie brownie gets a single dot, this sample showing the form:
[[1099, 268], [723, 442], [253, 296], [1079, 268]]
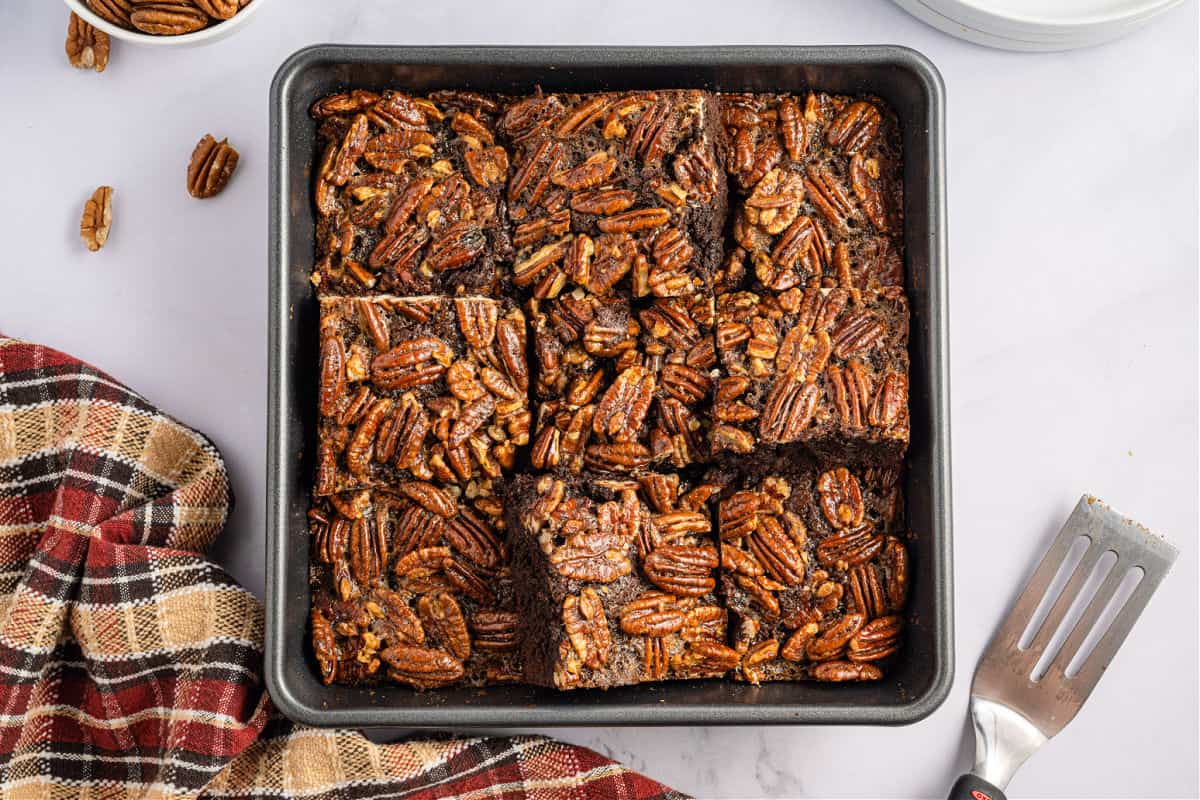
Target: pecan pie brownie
[[411, 586], [820, 192], [825, 367], [617, 193], [621, 390], [420, 388], [652, 344], [814, 572], [616, 581], [409, 193]]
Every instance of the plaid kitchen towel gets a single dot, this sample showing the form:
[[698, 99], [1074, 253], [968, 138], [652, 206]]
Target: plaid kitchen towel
[[130, 666]]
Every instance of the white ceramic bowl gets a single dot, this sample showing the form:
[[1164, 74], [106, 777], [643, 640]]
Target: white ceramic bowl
[[1037, 24], [207, 35]]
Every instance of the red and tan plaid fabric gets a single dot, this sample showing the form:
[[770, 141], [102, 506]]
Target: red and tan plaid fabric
[[130, 666]]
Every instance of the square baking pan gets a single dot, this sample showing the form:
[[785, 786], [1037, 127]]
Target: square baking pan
[[916, 684]]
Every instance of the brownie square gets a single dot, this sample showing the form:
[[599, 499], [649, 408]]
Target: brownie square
[[615, 580], [616, 193], [813, 569], [827, 368], [820, 195], [409, 193], [622, 389], [412, 587], [420, 388]]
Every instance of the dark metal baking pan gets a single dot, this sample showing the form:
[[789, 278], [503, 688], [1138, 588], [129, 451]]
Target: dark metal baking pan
[[921, 679]]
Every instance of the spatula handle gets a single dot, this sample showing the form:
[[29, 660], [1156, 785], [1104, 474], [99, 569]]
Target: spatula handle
[[972, 787]]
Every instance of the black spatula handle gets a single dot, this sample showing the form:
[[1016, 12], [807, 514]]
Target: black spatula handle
[[972, 787]]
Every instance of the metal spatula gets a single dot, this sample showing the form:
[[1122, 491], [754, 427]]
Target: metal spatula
[[1025, 690]]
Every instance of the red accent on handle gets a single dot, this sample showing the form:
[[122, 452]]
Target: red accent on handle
[[978, 795]]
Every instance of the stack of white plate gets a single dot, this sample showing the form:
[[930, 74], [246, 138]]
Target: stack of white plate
[[1037, 24]]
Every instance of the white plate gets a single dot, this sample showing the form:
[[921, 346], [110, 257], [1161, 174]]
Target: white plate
[[1037, 24]]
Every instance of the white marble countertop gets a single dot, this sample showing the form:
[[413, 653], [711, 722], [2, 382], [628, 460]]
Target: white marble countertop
[[1073, 242]]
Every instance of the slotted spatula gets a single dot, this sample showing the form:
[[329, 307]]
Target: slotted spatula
[[1014, 714]]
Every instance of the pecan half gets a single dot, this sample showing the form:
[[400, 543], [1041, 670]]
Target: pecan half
[[97, 218], [841, 498], [474, 539], [788, 408], [682, 569], [895, 565], [849, 547], [442, 618], [495, 631], [617, 457], [219, 9], [889, 402], [632, 221], [876, 640], [796, 646], [623, 408], [87, 47], [833, 640], [653, 614], [855, 128], [591, 557], [422, 667], [840, 671], [706, 656], [776, 552], [738, 515], [324, 646], [211, 166], [829, 197], [167, 19], [587, 628], [115, 11]]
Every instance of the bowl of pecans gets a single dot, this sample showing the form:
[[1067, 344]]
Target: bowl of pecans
[[166, 23]]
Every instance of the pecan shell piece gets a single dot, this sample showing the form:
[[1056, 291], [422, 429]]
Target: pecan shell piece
[[211, 166]]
